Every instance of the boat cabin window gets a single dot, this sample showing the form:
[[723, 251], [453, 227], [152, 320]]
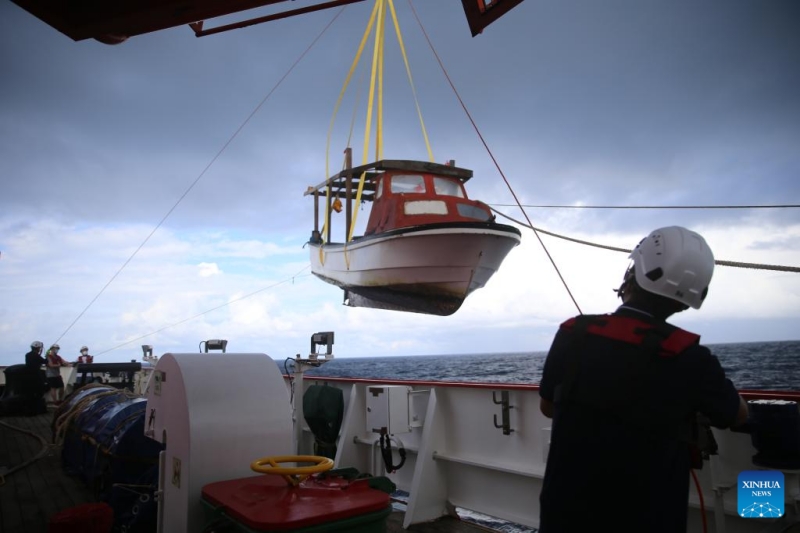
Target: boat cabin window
[[425, 207], [408, 183], [445, 187], [473, 211], [379, 190]]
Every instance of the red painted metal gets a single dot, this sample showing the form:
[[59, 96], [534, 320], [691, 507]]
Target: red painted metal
[[423, 383], [200, 32], [748, 394], [770, 395], [268, 503], [481, 13], [112, 22], [86, 518]]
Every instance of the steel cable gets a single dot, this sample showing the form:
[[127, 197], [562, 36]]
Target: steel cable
[[720, 262], [207, 167], [491, 155]]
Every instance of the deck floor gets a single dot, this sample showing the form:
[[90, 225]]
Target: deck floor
[[444, 525], [31, 496]]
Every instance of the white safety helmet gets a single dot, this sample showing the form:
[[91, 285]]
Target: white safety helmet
[[37, 345], [55, 347], [84, 348], [676, 263]]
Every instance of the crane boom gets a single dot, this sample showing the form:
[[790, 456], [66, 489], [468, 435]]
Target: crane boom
[[114, 21]]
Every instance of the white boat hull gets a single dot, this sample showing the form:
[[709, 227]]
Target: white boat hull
[[424, 269]]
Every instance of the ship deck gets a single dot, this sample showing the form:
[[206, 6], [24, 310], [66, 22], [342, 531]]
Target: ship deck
[[30, 496]]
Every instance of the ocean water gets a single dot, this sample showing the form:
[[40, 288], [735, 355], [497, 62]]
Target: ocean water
[[754, 365]]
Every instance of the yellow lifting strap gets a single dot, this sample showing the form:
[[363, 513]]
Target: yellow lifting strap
[[410, 79], [377, 78], [377, 21], [353, 66]]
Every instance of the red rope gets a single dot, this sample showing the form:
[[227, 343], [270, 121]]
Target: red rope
[[496, 164], [702, 502]]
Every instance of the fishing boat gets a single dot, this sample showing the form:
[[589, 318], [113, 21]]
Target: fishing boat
[[426, 247]]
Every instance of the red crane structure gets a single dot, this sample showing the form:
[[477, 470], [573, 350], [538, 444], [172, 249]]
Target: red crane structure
[[114, 21]]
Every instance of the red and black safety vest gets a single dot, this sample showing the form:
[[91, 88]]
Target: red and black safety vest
[[656, 340], [665, 339]]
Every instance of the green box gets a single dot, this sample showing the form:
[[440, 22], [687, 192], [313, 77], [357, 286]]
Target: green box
[[374, 522]]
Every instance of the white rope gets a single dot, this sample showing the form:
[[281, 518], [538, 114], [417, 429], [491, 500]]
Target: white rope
[[720, 262]]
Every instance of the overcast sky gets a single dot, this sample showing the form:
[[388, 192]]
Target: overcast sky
[[582, 103]]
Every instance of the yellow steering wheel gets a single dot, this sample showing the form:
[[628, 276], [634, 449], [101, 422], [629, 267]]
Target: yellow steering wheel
[[294, 475]]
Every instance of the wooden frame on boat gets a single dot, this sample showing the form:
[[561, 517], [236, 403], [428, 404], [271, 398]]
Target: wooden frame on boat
[[341, 184]]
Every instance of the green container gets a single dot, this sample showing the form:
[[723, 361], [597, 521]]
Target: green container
[[374, 522]]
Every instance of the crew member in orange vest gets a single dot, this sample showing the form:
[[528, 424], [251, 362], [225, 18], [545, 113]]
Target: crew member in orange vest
[[85, 358]]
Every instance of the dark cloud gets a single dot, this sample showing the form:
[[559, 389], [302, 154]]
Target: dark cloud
[[598, 102]]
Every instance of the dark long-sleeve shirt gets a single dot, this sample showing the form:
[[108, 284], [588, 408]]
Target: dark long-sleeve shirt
[[34, 360]]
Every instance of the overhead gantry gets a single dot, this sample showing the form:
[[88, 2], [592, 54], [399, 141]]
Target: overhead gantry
[[113, 22]]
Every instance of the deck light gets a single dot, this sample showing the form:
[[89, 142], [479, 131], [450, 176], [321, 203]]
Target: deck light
[[323, 338], [215, 344]]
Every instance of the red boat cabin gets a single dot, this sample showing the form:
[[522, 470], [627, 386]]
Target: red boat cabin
[[404, 199]]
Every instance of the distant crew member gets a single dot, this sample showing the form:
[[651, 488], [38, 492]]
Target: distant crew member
[[85, 359], [33, 364], [53, 371], [624, 390], [34, 359]]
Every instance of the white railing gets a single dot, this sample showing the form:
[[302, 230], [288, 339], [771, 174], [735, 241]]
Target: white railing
[[458, 457]]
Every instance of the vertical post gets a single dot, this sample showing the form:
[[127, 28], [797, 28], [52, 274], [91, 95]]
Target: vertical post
[[348, 164], [316, 212], [162, 468], [719, 509], [329, 199], [298, 412]]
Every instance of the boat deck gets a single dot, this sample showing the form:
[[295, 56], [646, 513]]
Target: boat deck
[[29, 497]]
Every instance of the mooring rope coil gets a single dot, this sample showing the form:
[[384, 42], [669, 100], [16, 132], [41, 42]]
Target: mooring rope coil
[[42, 452]]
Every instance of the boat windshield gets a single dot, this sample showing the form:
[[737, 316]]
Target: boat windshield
[[408, 183], [472, 211], [445, 187]]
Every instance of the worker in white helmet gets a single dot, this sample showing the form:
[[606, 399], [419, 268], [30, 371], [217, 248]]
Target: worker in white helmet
[[53, 372], [34, 359], [624, 391], [85, 359]]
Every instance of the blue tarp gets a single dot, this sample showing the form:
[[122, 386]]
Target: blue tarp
[[104, 443], [72, 450]]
